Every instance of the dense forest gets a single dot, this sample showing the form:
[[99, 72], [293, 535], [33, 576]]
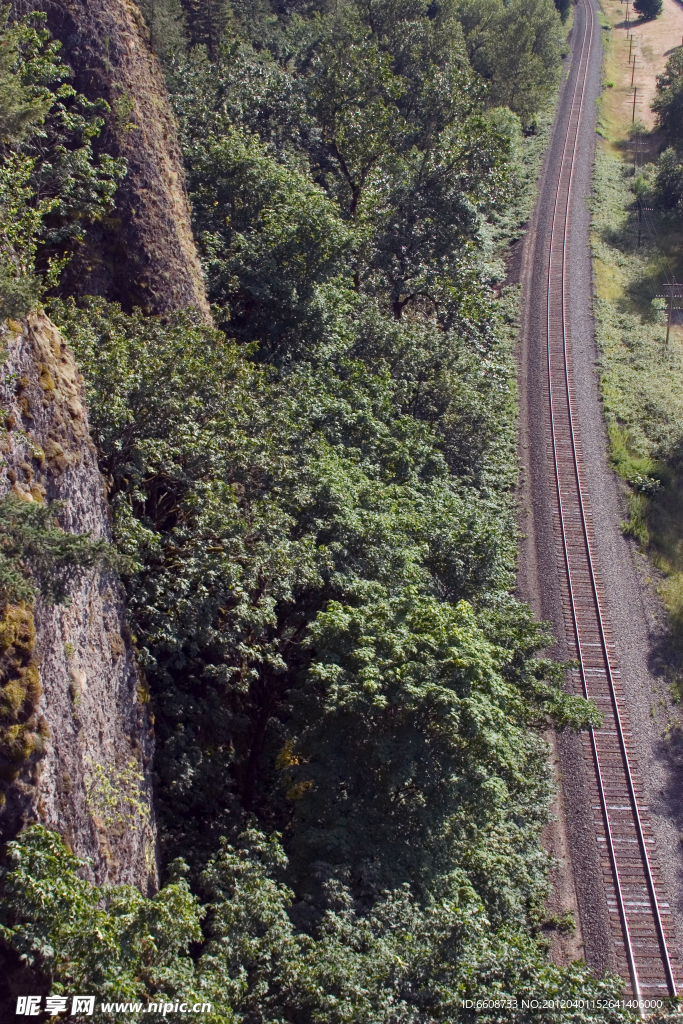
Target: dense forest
[[312, 493]]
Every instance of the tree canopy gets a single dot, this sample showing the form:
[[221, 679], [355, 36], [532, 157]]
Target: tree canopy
[[648, 9], [668, 102]]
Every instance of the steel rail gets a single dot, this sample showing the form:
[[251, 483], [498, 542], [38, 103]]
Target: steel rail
[[587, 42], [580, 81]]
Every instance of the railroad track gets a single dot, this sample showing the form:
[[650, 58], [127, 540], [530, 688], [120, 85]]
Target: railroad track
[[641, 924]]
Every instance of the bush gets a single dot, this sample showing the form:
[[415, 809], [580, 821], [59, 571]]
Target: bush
[[36, 556]]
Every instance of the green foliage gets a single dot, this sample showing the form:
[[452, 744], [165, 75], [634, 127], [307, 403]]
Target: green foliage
[[269, 235], [166, 22], [114, 793], [20, 289], [362, 511], [669, 180], [385, 119], [648, 9], [642, 377], [517, 48], [636, 525], [668, 103], [206, 21], [51, 185], [112, 942], [22, 106], [563, 8], [36, 556], [402, 961], [407, 700]]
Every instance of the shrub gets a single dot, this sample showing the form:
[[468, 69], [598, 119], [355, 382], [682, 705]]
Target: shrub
[[669, 180]]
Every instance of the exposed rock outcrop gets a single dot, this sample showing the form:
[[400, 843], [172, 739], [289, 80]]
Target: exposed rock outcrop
[[144, 254], [86, 764]]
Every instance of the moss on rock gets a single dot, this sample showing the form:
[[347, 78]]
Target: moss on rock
[[22, 727]]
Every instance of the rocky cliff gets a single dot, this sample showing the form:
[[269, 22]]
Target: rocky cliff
[[144, 254], [79, 753]]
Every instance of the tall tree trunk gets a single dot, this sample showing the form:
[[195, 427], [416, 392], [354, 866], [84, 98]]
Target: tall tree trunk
[[144, 253]]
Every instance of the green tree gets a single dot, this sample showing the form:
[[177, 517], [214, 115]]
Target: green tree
[[36, 556], [563, 8], [166, 22], [206, 22], [352, 95], [22, 105], [404, 697], [668, 103], [648, 9], [411, 168], [112, 942], [316, 504], [269, 237], [517, 48], [230, 595], [669, 180]]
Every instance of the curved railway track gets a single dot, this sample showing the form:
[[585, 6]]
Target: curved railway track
[[640, 922]]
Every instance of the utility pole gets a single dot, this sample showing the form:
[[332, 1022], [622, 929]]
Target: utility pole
[[630, 51], [640, 219], [671, 290], [633, 71], [635, 91]]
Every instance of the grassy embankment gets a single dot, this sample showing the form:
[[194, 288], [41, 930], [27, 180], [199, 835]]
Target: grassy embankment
[[641, 376]]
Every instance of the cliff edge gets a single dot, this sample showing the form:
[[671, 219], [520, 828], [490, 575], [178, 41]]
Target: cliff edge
[[78, 757]]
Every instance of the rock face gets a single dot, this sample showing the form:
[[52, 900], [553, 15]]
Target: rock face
[[144, 254], [87, 770]]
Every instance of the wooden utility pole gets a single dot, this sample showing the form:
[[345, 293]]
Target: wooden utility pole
[[640, 219], [635, 91], [670, 291], [633, 71]]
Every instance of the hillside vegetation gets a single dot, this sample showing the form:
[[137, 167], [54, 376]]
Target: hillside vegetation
[[314, 498]]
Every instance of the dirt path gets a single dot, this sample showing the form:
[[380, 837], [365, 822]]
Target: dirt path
[[653, 43]]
